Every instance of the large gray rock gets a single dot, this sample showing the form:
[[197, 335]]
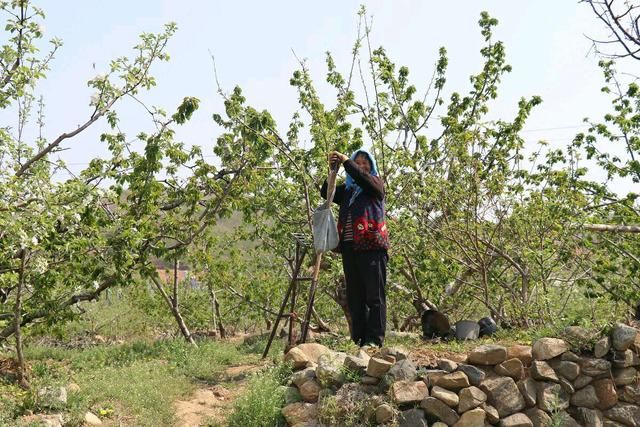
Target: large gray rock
[[541, 371], [473, 418], [431, 376], [602, 347], [384, 413], [625, 413], [516, 420], [453, 381], [623, 336], [475, 375], [300, 377], [300, 412], [522, 352], [589, 417], [538, 417], [403, 370], [436, 408], [450, 398], [52, 397], [595, 367], [582, 381], [397, 353], [487, 355], [470, 397], [552, 397], [412, 418], [511, 368], [305, 354], [625, 376], [631, 394], [548, 348], [447, 365], [625, 359], [585, 397], [292, 395], [378, 367], [569, 370], [329, 371], [357, 364], [407, 392], [528, 390], [503, 394], [310, 391]]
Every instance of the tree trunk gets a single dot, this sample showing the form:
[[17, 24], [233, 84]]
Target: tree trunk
[[22, 370], [175, 311]]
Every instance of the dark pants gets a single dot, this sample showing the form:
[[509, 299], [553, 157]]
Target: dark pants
[[366, 275]]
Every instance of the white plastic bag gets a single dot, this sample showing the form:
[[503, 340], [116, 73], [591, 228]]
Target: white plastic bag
[[325, 229]]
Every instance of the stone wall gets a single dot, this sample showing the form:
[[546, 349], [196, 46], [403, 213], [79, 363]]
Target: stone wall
[[540, 385]]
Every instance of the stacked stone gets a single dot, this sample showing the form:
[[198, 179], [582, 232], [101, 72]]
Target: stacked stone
[[540, 385]]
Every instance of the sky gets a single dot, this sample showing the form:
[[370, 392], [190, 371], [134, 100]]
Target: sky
[[254, 43]]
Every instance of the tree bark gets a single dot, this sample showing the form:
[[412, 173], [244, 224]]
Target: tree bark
[[175, 311], [22, 369]]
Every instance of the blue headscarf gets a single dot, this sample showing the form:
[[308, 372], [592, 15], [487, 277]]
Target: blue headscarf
[[351, 183]]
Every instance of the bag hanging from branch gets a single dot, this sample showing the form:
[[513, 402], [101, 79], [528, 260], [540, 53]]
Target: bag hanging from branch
[[325, 229]]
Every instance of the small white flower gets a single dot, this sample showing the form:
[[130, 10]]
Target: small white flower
[[41, 28], [34, 240], [95, 98], [76, 217], [95, 284]]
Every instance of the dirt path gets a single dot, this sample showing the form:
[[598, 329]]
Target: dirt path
[[212, 404]]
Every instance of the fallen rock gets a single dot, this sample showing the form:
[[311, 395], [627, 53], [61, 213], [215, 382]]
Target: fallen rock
[[475, 375], [548, 348], [92, 419], [488, 355], [329, 371], [623, 336], [582, 381], [590, 417], [471, 397], [569, 370], [378, 367], [52, 397], [631, 394], [412, 418], [528, 390], [310, 391], [522, 352], [585, 398], [595, 367], [453, 381], [300, 412], [492, 413], [406, 392], [449, 398], [403, 370], [396, 352], [356, 364], [503, 394], [551, 397], [625, 376], [447, 365], [516, 420], [384, 413], [602, 347], [511, 368], [625, 413], [436, 408], [292, 395], [541, 371], [297, 358], [431, 376], [300, 377], [538, 417], [625, 359], [367, 380], [606, 392], [49, 420], [474, 418]]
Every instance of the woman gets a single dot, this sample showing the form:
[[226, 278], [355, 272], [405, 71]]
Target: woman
[[364, 241]]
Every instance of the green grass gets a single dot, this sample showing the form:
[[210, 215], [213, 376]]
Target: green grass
[[132, 384], [263, 400]]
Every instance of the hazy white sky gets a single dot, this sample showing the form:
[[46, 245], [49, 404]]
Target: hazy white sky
[[253, 42]]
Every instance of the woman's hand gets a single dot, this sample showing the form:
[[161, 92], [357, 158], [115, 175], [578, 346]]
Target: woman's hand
[[337, 157]]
